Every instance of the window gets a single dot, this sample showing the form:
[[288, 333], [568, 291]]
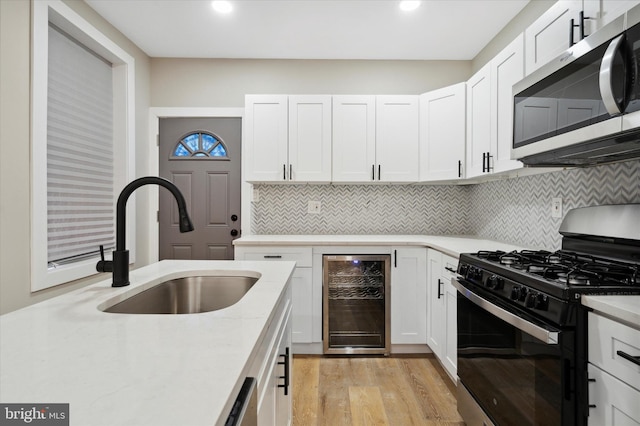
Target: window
[[82, 115], [200, 145]]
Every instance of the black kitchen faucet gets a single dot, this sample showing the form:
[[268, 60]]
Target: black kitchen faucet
[[120, 263]]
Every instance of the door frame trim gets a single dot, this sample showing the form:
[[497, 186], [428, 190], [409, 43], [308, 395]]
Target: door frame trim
[[155, 114]]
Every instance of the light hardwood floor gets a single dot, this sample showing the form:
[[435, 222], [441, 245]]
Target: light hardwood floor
[[395, 391]]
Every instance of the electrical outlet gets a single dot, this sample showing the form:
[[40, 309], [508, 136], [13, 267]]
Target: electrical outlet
[[314, 207], [556, 207]]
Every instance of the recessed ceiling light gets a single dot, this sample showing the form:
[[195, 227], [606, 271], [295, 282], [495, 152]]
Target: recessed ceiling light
[[222, 6], [409, 5]]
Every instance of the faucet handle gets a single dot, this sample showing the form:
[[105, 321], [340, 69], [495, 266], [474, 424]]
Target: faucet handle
[[104, 265]]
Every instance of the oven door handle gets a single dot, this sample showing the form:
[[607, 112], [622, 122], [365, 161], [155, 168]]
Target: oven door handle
[[547, 336]]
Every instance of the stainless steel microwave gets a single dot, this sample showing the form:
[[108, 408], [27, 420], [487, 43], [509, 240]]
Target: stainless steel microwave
[[583, 107]]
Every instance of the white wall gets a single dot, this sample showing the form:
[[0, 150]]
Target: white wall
[[15, 101]]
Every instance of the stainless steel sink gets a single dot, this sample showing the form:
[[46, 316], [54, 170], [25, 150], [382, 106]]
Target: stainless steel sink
[[188, 295]]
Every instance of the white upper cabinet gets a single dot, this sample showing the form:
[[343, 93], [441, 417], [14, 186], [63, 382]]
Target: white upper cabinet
[[478, 121], [266, 138], [490, 112], [507, 68], [397, 138], [354, 138], [442, 133], [287, 138], [375, 139], [310, 138], [553, 32]]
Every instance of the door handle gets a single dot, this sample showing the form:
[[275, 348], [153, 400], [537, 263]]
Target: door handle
[[395, 258], [572, 25], [439, 287]]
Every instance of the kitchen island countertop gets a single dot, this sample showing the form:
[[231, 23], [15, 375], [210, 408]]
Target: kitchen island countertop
[[134, 370]]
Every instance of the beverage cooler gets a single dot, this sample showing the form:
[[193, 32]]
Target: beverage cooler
[[356, 304]]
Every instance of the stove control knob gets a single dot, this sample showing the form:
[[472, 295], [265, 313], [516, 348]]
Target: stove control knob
[[541, 302], [531, 299], [515, 292], [523, 294], [495, 282], [462, 269]]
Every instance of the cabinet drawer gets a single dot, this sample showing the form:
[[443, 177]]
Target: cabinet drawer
[[608, 342], [611, 401], [449, 263], [301, 255]]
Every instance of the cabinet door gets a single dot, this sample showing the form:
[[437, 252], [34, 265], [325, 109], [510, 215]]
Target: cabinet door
[[611, 402], [354, 138], [265, 138], [302, 305], [604, 11], [507, 68], [442, 133], [450, 358], [397, 138], [310, 138], [548, 36], [283, 398], [409, 296], [435, 308], [478, 121]]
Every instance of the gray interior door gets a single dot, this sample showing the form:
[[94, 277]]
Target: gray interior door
[[202, 157]]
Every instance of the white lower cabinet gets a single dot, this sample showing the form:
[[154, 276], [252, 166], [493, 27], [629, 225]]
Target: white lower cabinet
[[301, 283], [442, 310], [271, 367], [614, 372], [409, 295]]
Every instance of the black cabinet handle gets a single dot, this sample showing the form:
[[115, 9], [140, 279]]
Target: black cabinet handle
[[285, 363], [272, 256], [379, 167], [459, 168], [395, 258], [484, 162], [290, 172], [450, 269], [489, 157], [439, 286], [582, 18], [284, 172], [633, 359], [373, 172]]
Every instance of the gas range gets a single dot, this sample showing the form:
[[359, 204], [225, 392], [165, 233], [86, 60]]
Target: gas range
[[545, 283]]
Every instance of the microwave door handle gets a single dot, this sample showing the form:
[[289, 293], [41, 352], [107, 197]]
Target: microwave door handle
[[547, 336], [606, 70]]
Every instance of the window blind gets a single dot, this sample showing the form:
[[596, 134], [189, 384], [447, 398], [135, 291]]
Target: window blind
[[80, 192]]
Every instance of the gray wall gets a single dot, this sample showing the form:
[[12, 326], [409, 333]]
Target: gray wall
[[224, 82], [15, 174]]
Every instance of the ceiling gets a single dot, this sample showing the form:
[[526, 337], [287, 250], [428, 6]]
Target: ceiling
[[310, 29]]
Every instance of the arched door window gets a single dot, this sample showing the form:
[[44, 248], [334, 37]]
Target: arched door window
[[200, 145]]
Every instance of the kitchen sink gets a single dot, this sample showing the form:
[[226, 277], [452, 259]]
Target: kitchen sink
[[186, 295]]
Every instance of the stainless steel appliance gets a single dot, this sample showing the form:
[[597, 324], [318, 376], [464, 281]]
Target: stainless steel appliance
[[522, 331], [356, 304], [582, 108]]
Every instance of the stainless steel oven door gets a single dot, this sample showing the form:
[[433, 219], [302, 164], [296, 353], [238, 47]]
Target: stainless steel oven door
[[518, 370]]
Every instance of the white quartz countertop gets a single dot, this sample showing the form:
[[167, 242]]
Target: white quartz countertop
[[451, 245], [130, 370], [623, 308]]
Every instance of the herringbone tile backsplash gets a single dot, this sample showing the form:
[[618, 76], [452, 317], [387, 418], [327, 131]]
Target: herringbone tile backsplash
[[512, 210]]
